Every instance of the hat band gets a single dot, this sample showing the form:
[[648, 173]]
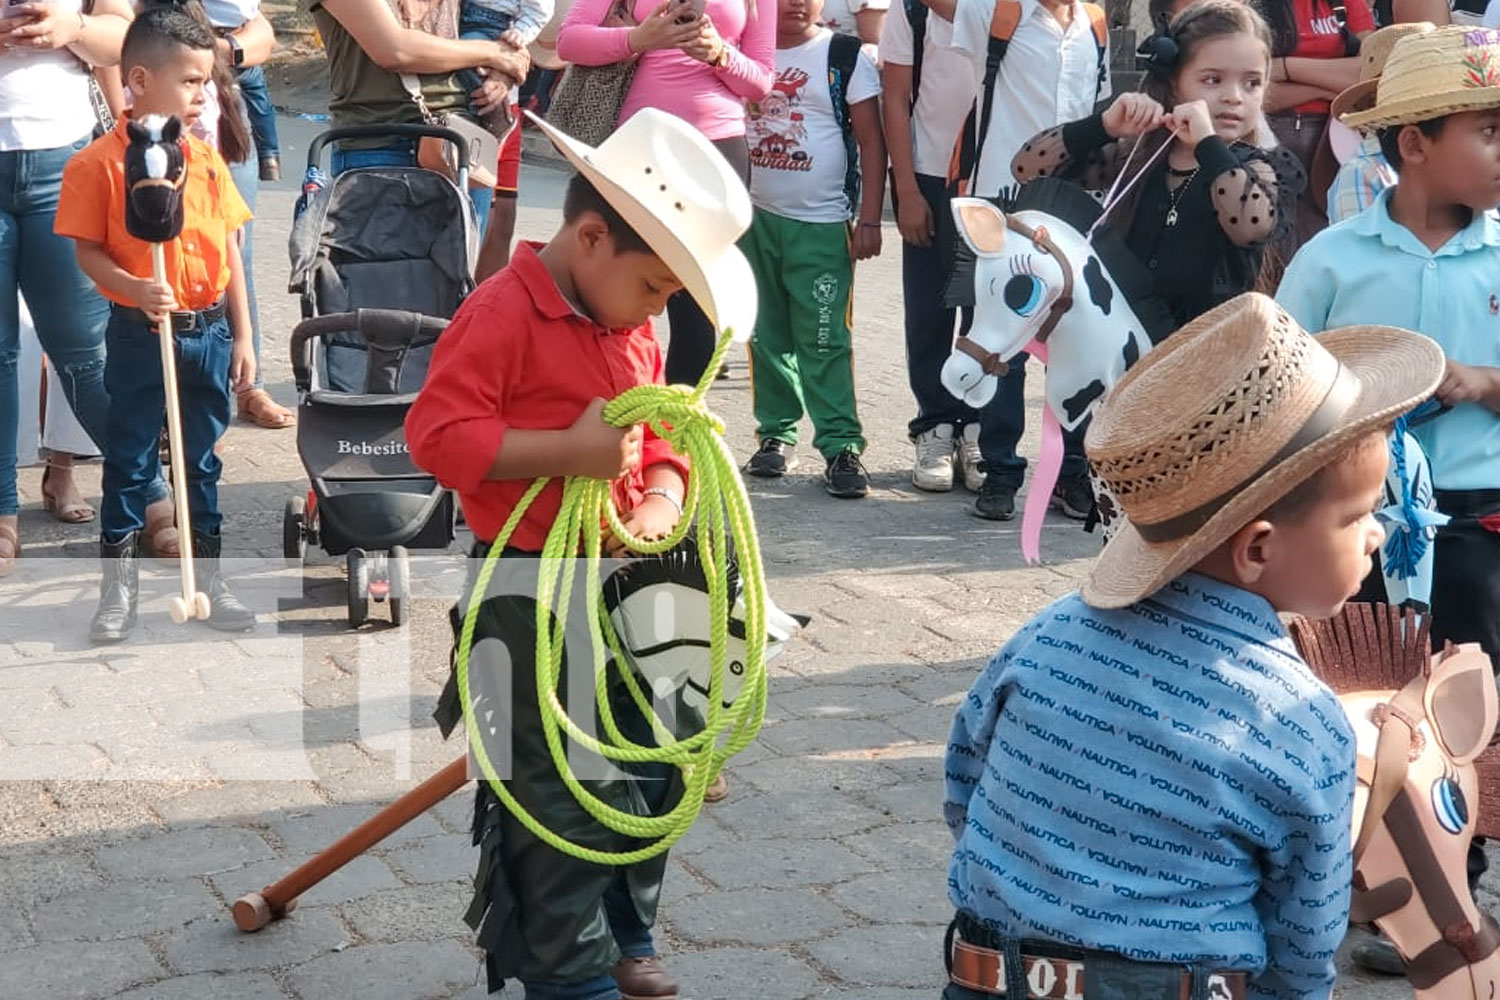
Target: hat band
[[1341, 395]]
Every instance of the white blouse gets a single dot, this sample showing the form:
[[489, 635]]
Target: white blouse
[[44, 97]]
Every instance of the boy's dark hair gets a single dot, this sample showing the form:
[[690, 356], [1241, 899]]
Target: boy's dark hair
[[582, 196], [1390, 138], [155, 35], [1308, 493]]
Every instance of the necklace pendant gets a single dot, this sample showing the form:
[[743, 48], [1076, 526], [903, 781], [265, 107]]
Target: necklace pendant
[[1171, 217]]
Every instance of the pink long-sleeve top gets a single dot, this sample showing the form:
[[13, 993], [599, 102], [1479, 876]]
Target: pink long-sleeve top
[[713, 100]]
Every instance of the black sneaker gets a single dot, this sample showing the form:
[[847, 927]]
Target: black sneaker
[[270, 168], [1378, 955], [996, 500], [773, 459], [845, 477], [1074, 497]]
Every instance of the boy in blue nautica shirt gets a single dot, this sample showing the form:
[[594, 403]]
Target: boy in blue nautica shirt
[[1426, 256], [1150, 792]]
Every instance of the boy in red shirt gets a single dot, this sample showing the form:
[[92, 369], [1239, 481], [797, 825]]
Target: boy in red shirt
[[165, 60], [515, 392]]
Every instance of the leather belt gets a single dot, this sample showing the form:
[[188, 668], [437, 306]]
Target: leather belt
[[983, 970], [185, 321]]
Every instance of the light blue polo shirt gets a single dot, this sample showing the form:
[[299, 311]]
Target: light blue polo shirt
[[1371, 269]]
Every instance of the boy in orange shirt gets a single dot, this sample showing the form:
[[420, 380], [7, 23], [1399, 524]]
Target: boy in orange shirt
[[165, 60]]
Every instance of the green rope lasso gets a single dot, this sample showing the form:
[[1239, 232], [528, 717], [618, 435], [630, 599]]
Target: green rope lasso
[[717, 502]]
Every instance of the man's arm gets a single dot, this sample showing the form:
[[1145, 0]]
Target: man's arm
[[865, 120]]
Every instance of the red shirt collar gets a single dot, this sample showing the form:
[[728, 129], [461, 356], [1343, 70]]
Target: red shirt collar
[[545, 295]]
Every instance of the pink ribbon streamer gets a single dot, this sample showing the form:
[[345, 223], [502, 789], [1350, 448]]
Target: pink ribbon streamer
[[1048, 470]]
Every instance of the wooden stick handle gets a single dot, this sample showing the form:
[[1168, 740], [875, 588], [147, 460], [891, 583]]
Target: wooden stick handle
[[272, 901], [174, 437]]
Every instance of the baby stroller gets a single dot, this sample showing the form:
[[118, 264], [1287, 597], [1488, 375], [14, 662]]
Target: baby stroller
[[382, 257]]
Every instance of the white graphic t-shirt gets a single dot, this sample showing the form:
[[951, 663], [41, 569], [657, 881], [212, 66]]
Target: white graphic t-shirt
[[796, 145]]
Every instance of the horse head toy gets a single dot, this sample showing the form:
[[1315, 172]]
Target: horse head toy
[[1040, 282], [1420, 722], [155, 172]]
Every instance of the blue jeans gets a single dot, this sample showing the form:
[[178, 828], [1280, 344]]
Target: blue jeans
[[68, 312], [477, 22], [246, 176], [403, 154], [929, 325], [137, 407], [261, 111], [1001, 424]]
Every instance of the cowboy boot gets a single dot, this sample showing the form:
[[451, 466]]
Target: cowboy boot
[[226, 613], [118, 589]]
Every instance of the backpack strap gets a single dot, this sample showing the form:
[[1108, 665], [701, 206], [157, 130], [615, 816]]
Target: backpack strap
[[916, 16], [1099, 22], [843, 56], [1003, 24]]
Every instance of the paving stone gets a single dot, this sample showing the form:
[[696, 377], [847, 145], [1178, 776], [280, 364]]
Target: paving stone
[[847, 701], [777, 864], [831, 664], [918, 847], [124, 909], [821, 736], [928, 723], [881, 896], [65, 971], [866, 993], [35, 872], [34, 762], [782, 774], [727, 973], [230, 803], [884, 955], [411, 971], [413, 913], [14, 932], [754, 917], [240, 986], [179, 853], [796, 815], [309, 831], [214, 944], [360, 877], [445, 858]]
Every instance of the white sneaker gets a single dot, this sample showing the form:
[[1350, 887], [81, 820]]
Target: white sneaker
[[933, 470], [969, 458]]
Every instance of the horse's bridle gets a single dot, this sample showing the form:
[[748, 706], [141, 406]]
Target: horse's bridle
[[989, 361], [1389, 803]]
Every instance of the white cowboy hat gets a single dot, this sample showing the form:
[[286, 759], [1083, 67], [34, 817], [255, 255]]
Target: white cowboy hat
[[1225, 418], [680, 195]]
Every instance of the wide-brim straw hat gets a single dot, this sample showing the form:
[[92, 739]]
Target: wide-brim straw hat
[[1374, 52], [1225, 418], [682, 197], [1436, 73]]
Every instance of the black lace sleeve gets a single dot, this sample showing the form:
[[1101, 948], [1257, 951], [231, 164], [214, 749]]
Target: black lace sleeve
[[1081, 152], [1254, 191]]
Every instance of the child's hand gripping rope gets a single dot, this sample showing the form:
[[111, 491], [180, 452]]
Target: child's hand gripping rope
[[716, 499]]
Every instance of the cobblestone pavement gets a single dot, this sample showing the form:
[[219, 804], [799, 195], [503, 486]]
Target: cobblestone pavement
[[823, 875]]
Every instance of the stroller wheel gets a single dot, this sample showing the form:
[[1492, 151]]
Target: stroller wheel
[[359, 587], [294, 528], [399, 568]]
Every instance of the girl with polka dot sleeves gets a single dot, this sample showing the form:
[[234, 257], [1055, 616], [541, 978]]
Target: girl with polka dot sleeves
[[1202, 215]]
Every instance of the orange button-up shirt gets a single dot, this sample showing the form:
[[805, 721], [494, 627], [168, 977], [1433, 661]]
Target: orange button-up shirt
[[92, 207], [517, 354]]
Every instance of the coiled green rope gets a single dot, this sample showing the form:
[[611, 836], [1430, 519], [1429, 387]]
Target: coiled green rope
[[717, 502]]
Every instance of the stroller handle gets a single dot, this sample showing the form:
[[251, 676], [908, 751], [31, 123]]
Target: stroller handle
[[387, 329], [394, 131]]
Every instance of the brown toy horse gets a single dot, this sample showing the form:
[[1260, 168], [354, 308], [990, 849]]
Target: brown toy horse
[[1420, 722]]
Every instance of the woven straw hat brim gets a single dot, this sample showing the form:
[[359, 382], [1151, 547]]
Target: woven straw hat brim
[[722, 283], [1360, 97], [1397, 370], [1411, 110]]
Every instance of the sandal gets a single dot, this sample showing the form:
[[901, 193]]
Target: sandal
[[257, 407], [160, 539], [8, 540], [69, 508]]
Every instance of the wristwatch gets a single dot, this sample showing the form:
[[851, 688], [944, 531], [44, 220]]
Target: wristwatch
[[236, 51], [721, 60]]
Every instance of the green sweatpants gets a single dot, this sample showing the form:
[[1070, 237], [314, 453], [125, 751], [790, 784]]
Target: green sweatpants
[[801, 354]]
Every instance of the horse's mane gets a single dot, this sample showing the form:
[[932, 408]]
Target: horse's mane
[[1071, 204]]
